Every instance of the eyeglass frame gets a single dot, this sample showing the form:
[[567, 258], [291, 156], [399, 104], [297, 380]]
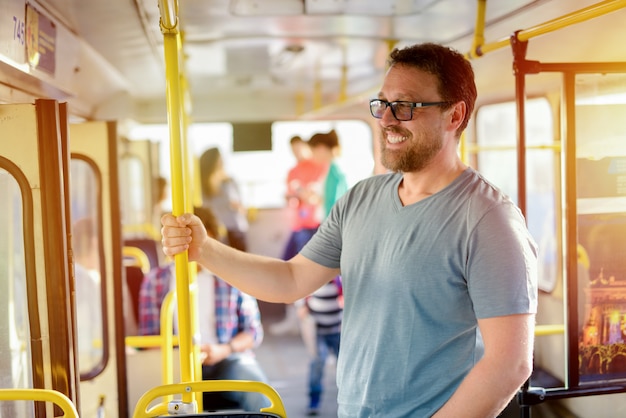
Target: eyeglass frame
[[413, 105]]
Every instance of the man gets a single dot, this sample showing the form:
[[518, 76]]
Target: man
[[438, 268]]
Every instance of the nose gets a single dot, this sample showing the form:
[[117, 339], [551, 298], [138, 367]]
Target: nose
[[388, 118]]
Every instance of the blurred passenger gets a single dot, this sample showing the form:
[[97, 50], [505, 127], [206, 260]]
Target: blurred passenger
[[88, 293], [325, 307], [304, 183], [160, 196], [439, 270], [221, 194], [229, 325], [326, 148]]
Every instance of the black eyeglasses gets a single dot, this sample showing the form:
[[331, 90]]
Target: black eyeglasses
[[402, 111]]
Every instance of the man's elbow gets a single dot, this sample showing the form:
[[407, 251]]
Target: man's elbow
[[520, 373]]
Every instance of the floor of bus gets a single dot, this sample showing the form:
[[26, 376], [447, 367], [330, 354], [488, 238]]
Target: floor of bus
[[285, 361]]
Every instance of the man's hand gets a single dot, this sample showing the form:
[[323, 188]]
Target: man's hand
[[185, 232]]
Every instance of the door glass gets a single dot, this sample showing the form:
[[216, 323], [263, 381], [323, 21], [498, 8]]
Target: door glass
[[496, 156], [15, 368], [86, 251]]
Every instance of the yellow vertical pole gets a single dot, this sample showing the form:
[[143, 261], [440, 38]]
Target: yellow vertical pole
[[299, 99], [463, 148], [343, 88], [317, 88], [172, 47], [391, 44], [167, 308], [190, 172], [479, 32]]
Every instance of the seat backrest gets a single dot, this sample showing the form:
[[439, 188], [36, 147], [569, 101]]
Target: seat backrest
[[134, 277], [149, 246]]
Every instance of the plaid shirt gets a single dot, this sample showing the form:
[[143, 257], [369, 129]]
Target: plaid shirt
[[235, 311]]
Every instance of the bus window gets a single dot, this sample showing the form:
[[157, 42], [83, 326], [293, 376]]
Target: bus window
[[87, 266], [261, 175], [15, 368], [496, 159], [601, 225], [134, 205]]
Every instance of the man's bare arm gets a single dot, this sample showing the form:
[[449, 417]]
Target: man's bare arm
[[265, 278], [497, 377]]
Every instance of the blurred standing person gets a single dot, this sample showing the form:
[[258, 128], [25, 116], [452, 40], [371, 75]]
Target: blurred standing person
[[325, 308], [89, 321], [303, 199], [325, 147], [221, 194], [303, 188], [161, 193]]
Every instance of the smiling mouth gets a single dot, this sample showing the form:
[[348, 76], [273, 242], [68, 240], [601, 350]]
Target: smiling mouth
[[394, 138]]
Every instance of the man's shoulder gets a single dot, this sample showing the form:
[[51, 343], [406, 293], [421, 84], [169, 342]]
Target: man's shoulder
[[482, 197], [486, 191]]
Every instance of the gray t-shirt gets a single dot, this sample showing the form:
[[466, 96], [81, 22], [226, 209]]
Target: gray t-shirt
[[415, 279]]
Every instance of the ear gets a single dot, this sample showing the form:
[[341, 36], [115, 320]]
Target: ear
[[457, 114]]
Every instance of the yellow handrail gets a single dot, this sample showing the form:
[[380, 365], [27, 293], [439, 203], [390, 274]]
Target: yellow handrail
[[143, 229], [276, 404], [45, 395], [169, 14], [148, 341], [599, 9], [582, 15], [166, 340], [139, 256], [167, 330], [549, 329]]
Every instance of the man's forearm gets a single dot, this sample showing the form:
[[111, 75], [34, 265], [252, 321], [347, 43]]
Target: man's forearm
[[265, 278]]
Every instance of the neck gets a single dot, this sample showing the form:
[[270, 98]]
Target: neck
[[416, 186]]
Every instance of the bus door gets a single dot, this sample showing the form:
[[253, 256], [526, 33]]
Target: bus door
[[100, 281], [36, 323]]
